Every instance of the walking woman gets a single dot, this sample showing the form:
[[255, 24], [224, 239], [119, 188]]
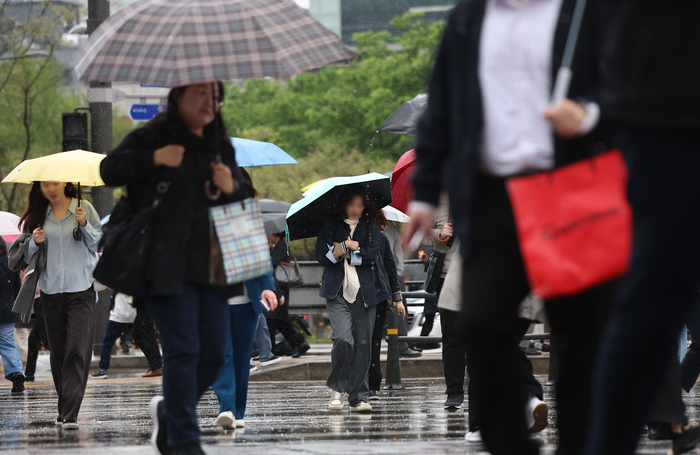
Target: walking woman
[[348, 247], [70, 232], [187, 153], [9, 288]]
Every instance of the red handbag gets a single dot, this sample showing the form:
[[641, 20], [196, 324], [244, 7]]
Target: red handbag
[[574, 225]]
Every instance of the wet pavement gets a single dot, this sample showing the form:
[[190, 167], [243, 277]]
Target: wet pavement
[[283, 418]]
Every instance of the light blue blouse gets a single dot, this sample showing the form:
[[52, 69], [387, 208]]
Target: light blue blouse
[[69, 263]]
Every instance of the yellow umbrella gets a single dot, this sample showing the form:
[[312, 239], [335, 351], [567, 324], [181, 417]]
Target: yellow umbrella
[[311, 185], [78, 166]]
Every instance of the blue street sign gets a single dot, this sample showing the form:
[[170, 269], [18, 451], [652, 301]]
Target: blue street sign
[[151, 85], [146, 111]]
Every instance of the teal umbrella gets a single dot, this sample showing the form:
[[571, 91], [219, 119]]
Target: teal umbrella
[[305, 217]]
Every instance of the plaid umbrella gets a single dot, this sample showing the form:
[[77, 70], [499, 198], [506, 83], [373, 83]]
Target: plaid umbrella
[[182, 42]]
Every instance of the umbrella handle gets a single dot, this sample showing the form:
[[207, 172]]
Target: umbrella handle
[[213, 196]]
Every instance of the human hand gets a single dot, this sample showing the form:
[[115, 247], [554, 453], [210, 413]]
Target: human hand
[[39, 236], [566, 118], [270, 297], [81, 216], [401, 309], [446, 231], [282, 300], [169, 156], [352, 245], [421, 220], [222, 177]]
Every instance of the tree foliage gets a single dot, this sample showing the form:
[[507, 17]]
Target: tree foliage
[[342, 107]]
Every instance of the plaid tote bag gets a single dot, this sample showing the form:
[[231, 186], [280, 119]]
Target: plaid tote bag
[[239, 250]]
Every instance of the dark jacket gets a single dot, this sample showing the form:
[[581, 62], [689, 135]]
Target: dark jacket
[[651, 64], [24, 303], [255, 288], [181, 233], [368, 235], [450, 130], [389, 265], [279, 255], [10, 285]]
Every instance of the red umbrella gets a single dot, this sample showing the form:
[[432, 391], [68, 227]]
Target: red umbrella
[[401, 187]]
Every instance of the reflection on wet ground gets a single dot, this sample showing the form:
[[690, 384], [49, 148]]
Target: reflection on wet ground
[[282, 418]]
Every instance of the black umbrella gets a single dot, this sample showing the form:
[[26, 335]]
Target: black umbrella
[[404, 120], [274, 214], [306, 216]]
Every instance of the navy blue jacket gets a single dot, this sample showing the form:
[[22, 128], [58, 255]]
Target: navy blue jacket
[[369, 236], [256, 286], [9, 288]]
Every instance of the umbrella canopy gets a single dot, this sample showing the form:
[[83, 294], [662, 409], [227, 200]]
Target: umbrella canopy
[[401, 186], [254, 153], [305, 217], [307, 188], [105, 220], [274, 215], [404, 120], [78, 166], [9, 226], [393, 214], [182, 42]]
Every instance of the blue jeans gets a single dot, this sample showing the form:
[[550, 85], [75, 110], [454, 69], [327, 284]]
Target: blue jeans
[[11, 360], [193, 327], [114, 331], [231, 386], [262, 339], [657, 296]]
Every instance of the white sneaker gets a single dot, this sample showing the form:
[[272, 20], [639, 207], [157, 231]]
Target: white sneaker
[[336, 403], [226, 420], [272, 361], [362, 406], [240, 423], [473, 437], [536, 412]]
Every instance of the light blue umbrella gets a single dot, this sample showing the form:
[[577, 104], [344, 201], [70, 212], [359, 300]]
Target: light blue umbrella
[[255, 153], [305, 217], [105, 219]]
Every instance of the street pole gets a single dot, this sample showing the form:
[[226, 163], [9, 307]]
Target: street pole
[[100, 113], [101, 135]]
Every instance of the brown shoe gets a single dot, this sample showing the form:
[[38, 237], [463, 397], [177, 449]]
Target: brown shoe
[[153, 373]]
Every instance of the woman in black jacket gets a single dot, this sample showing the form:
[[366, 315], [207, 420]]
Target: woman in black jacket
[[348, 248], [9, 287], [186, 152]]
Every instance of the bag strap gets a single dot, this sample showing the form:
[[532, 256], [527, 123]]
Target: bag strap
[[161, 189]]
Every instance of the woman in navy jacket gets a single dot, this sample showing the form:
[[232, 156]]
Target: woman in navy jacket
[[348, 247]]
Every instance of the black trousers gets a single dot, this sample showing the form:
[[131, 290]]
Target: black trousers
[[668, 406], [658, 294], [147, 339], [70, 326], [375, 368], [690, 366], [453, 352], [37, 338], [494, 285]]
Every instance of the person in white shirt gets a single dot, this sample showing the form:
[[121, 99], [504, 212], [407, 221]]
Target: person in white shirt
[[488, 119]]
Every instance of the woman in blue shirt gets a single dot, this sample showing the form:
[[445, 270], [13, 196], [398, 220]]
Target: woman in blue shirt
[[70, 233]]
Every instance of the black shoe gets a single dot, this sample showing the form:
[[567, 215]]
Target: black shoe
[[531, 352], [426, 346], [409, 354], [659, 431], [59, 421], [454, 400], [373, 395], [686, 441], [188, 449], [28, 378], [303, 349], [159, 439], [17, 382]]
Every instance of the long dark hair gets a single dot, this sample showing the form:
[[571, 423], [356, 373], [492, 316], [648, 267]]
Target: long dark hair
[[35, 214], [371, 213]]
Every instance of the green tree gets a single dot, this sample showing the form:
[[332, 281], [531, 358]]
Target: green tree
[[342, 107]]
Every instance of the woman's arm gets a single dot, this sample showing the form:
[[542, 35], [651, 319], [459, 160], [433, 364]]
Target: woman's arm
[[132, 161], [327, 253], [390, 267], [92, 231]]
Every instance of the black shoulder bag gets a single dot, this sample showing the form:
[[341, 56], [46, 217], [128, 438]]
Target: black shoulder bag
[[126, 246], [435, 265]]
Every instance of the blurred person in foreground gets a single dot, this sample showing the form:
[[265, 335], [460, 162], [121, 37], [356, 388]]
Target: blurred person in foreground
[[489, 119], [650, 94]]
